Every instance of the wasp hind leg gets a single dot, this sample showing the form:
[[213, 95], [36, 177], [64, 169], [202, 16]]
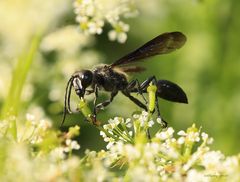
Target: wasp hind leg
[[133, 99], [140, 104], [143, 87], [132, 86]]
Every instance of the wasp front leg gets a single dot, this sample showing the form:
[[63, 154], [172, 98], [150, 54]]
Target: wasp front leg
[[104, 104], [89, 92], [94, 116]]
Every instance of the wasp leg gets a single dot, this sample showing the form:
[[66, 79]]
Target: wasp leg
[[136, 101], [144, 86], [88, 92], [163, 122], [139, 90], [102, 105], [140, 104], [95, 103]]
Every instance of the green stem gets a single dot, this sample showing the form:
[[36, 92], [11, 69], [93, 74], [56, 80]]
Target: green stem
[[12, 103]]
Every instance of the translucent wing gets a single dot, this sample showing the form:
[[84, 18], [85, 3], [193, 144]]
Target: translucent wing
[[132, 69], [162, 44]]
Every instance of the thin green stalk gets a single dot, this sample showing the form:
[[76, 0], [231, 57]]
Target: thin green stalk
[[120, 133], [125, 129], [12, 104]]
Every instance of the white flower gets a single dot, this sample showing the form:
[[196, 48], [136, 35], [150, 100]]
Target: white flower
[[113, 123], [169, 151], [36, 139], [144, 113], [165, 134], [159, 120], [143, 118], [135, 116], [210, 140], [182, 133], [150, 123], [71, 145], [181, 140], [44, 124], [193, 136], [82, 19], [204, 136], [131, 152], [109, 145], [110, 141], [128, 123], [58, 153], [121, 37], [90, 10], [91, 16], [212, 160], [107, 127], [194, 175], [95, 27], [103, 134], [30, 117], [231, 164], [75, 145], [119, 32]]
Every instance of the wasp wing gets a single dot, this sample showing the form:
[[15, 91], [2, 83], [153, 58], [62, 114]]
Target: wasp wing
[[162, 44], [132, 69]]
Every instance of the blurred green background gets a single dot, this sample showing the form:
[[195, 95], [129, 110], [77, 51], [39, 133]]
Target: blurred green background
[[207, 67]]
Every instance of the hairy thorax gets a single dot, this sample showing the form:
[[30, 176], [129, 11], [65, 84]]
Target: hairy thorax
[[109, 79]]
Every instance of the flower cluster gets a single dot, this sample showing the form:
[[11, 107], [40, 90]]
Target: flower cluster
[[61, 152], [124, 130], [184, 157], [92, 15], [46, 154], [37, 151], [39, 133]]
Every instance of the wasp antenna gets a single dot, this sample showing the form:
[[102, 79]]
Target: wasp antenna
[[69, 96], [64, 116], [67, 99]]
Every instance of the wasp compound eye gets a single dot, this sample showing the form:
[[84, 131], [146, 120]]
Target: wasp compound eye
[[86, 77]]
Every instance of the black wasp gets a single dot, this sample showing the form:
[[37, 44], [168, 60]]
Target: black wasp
[[112, 78]]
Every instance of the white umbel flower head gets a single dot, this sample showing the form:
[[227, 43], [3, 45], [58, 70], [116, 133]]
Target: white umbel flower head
[[93, 14]]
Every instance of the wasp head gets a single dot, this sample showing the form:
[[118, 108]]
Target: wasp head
[[81, 80]]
